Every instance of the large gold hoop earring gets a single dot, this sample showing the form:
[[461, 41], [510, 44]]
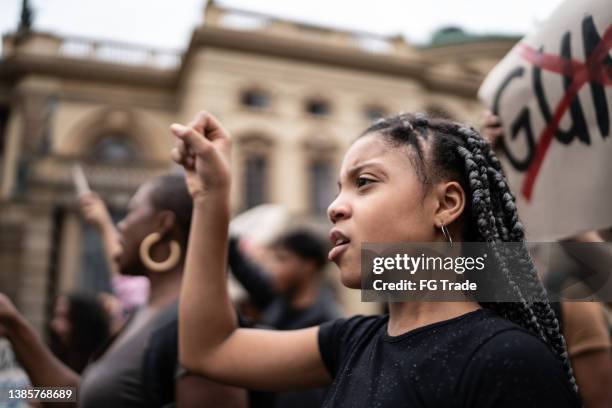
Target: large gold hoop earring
[[149, 263]]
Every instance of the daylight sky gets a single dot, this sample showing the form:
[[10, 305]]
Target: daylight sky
[[169, 24]]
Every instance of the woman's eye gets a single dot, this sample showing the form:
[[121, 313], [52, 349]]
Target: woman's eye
[[362, 181]]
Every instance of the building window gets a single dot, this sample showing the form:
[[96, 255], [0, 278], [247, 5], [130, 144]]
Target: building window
[[114, 149], [318, 107], [255, 171], [374, 112], [4, 115], [438, 112], [321, 186], [256, 99]]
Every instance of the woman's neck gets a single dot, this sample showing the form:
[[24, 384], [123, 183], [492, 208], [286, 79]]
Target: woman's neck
[[407, 316], [165, 288]]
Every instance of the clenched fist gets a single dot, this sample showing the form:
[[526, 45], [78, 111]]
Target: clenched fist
[[203, 148]]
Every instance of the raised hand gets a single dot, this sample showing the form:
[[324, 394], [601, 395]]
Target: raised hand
[[203, 148], [491, 128], [94, 210]]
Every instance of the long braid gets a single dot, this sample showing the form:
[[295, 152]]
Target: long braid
[[541, 307], [459, 151]]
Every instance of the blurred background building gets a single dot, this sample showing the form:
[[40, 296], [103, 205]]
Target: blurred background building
[[293, 95]]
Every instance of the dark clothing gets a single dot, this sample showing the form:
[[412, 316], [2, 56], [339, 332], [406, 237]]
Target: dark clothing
[[116, 379], [278, 313], [160, 365], [475, 360]]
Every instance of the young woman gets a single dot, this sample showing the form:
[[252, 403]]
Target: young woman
[[138, 368], [407, 178]]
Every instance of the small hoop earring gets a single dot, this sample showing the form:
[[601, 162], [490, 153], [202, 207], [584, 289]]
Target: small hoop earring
[[446, 235], [149, 263]]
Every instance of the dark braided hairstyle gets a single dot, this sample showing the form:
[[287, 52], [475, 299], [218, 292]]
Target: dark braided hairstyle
[[459, 153]]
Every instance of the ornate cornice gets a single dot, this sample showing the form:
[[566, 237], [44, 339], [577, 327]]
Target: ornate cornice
[[18, 65], [462, 84]]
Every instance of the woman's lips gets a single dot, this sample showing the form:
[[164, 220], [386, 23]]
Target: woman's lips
[[337, 251], [340, 244]]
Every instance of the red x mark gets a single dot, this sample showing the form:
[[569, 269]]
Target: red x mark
[[593, 70]]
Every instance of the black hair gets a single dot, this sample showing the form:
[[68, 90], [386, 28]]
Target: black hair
[[170, 193], [90, 330], [459, 153], [305, 244]]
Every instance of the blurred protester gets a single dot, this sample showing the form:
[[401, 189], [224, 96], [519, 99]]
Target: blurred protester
[[131, 291], [115, 311], [291, 294], [12, 376], [583, 324], [78, 328], [588, 344], [138, 367]]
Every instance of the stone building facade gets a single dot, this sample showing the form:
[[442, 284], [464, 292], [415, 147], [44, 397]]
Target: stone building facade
[[294, 96]]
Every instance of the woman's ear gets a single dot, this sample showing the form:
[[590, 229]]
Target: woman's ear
[[164, 222], [451, 202]]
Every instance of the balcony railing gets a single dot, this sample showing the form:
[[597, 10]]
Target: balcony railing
[[118, 53]]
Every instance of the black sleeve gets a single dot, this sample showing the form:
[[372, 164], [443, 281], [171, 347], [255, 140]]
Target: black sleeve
[[338, 336], [253, 279], [515, 369]]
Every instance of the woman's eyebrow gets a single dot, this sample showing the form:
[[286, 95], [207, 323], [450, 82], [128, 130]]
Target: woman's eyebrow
[[355, 170]]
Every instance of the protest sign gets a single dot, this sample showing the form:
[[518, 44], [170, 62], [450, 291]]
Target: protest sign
[[552, 93]]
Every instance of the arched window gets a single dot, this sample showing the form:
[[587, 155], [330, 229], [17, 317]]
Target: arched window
[[374, 112], [4, 116], [255, 99], [255, 177], [255, 152], [439, 112], [114, 148], [318, 107], [321, 173], [320, 151]]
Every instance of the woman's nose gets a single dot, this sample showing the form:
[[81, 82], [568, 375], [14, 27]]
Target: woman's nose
[[337, 211]]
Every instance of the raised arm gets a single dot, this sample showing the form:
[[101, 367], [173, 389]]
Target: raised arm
[[95, 213], [256, 282], [42, 367], [209, 341]]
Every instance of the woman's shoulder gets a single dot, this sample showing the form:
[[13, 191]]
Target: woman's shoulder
[[523, 362], [498, 341], [353, 326]]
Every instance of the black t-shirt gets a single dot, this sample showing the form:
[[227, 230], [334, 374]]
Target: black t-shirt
[[475, 360]]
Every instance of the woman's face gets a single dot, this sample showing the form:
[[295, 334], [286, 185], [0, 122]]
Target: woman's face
[[380, 200], [288, 269], [60, 322], [133, 228]]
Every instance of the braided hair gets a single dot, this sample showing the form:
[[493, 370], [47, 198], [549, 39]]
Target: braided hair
[[458, 152]]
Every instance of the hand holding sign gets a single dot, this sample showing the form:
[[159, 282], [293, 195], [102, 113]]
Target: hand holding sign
[[552, 92]]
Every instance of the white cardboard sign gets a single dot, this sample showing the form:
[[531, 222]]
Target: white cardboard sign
[[552, 92]]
